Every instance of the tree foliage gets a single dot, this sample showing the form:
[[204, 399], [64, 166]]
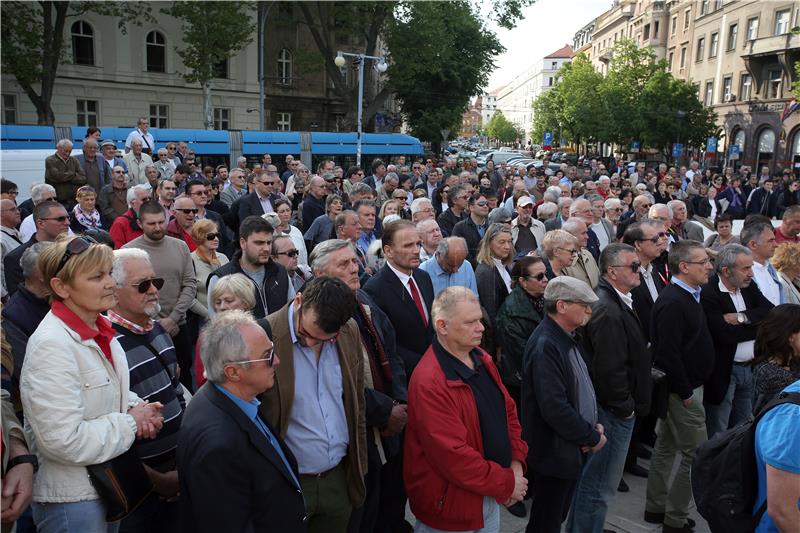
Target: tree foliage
[[33, 41], [211, 33], [638, 100], [502, 129]]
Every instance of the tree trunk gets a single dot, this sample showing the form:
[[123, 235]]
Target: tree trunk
[[208, 114]]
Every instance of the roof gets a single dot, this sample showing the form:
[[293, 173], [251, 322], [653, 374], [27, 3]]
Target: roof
[[495, 92], [565, 52]]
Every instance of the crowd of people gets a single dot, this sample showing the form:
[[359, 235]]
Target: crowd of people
[[286, 350]]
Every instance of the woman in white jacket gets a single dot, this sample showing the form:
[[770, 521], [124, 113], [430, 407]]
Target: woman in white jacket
[[75, 389]]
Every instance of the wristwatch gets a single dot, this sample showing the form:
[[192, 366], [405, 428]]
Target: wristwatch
[[31, 459], [741, 318]]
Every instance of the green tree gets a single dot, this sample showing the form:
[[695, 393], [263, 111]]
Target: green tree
[[211, 33], [33, 42], [547, 114], [502, 129], [580, 117]]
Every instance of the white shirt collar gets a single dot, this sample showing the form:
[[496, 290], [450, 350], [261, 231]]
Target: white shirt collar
[[627, 299], [403, 277], [723, 288]]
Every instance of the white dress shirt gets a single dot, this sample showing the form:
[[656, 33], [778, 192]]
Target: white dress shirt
[[404, 280], [744, 350], [766, 283]]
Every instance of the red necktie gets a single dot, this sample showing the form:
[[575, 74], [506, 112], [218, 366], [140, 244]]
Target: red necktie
[[417, 300]]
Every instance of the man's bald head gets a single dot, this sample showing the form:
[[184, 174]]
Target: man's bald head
[[451, 253]]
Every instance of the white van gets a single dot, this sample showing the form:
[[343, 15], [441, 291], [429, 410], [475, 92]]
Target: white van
[[25, 168]]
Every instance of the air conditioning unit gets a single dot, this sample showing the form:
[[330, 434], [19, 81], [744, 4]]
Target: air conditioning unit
[[730, 97]]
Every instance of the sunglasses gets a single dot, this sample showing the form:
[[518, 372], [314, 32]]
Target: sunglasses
[[62, 218], [268, 359], [144, 285], [212, 236], [658, 237], [538, 277], [290, 253], [76, 246], [187, 211], [635, 266]]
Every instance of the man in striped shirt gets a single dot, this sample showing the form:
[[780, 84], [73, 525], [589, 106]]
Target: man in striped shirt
[[154, 377]]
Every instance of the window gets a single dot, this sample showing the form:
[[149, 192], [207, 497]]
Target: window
[[782, 22], [701, 48], [683, 57], [746, 87], [727, 88], [709, 99], [9, 109], [655, 30], [733, 31], [766, 141], [550, 81], [713, 45], [670, 57], [222, 118], [554, 65], [738, 140], [284, 121], [718, 4], [674, 25], [82, 43], [774, 84], [159, 116], [703, 7], [87, 113], [156, 52], [646, 34], [752, 29], [285, 67], [686, 15], [221, 69]]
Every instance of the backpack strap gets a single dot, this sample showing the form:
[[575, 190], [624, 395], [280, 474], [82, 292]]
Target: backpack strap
[[782, 398]]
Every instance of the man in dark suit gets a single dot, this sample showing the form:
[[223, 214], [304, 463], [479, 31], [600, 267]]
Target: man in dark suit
[[641, 205], [314, 201], [375, 179], [405, 294], [229, 457], [734, 307], [261, 200], [649, 239]]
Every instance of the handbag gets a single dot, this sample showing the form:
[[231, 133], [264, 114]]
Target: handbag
[[122, 483]]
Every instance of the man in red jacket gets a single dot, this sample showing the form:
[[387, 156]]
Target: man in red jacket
[[464, 453]]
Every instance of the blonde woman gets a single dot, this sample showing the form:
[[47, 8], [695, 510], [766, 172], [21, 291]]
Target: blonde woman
[[206, 260], [787, 262], [85, 216], [495, 255], [560, 250]]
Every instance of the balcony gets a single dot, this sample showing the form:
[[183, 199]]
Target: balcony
[[772, 45], [605, 54]]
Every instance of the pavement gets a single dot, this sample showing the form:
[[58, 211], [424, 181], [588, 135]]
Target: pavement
[[625, 513]]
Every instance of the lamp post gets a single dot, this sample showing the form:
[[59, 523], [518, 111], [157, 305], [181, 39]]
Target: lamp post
[[381, 67]]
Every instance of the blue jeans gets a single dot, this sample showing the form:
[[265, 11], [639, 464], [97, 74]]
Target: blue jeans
[[73, 517], [600, 477], [491, 520], [736, 406]]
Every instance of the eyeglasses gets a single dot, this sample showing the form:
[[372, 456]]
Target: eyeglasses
[[187, 211], [571, 251], [212, 236], [538, 277], [481, 204], [62, 218], [289, 253], [658, 237], [635, 266], [199, 193], [144, 285], [703, 262], [303, 333], [76, 246], [13, 192], [268, 359]]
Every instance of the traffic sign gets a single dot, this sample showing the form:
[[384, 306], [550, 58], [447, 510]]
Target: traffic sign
[[636, 146], [711, 147], [548, 140], [445, 133], [677, 150], [735, 151]]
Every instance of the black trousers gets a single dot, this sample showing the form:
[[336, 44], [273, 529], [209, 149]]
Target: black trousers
[[364, 518], [552, 497], [392, 507], [184, 343]]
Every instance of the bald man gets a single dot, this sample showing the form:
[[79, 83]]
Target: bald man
[[314, 201], [449, 268]]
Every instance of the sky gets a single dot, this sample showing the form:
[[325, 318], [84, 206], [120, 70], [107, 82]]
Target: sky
[[546, 26]]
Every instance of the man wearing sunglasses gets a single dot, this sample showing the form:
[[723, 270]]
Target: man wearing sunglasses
[[285, 253], [320, 410], [153, 377], [180, 227], [641, 206], [620, 373]]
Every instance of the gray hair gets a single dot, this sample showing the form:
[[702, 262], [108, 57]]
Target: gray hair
[[136, 141], [360, 188], [222, 343], [39, 190], [611, 203], [445, 301], [728, 255], [121, 258], [131, 196], [592, 198], [148, 167], [753, 231], [63, 143], [652, 213], [563, 200], [546, 211], [552, 194], [237, 284], [391, 177], [240, 159], [610, 255], [90, 141], [444, 245], [273, 219], [277, 238], [577, 203], [320, 255], [416, 205], [428, 221], [30, 257], [556, 238], [681, 252], [672, 204]]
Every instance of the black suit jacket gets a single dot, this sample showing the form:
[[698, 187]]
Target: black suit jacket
[[251, 205], [715, 304], [643, 302], [231, 478], [413, 337]]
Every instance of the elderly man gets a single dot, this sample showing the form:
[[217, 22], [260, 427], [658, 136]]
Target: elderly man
[[154, 379], [734, 307], [430, 234], [526, 231], [760, 238], [473, 228], [98, 173], [314, 201], [584, 267], [613, 210], [422, 209], [384, 379], [457, 201], [126, 227], [109, 152], [51, 220], [172, 262], [558, 403], [386, 191], [641, 206], [564, 205], [180, 227], [254, 475], [620, 373], [164, 165], [602, 228], [236, 189], [111, 200], [463, 432], [141, 134], [285, 253], [684, 350], [137, 161], [789, 230], [365, 209], [449, 268], [581, 209], [681, 226], [320, 409], [64, 173], [9, 220]]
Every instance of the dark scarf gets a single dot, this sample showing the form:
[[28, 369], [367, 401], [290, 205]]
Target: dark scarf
[[375, 347]]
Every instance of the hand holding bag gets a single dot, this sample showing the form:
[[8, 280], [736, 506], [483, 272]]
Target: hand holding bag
[[122, 483]]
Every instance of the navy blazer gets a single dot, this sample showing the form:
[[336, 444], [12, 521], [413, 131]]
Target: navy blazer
[[643, 302], [251, 205], [413, 337], [231, 478]]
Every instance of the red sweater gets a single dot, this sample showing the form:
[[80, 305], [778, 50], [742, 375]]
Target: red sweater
[[446, 476], [124, 229]]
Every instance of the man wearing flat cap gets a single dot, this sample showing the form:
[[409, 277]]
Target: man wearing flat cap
[[558, 403]]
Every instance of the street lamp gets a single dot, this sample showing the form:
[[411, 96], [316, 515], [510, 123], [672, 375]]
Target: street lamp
[[380, 66]]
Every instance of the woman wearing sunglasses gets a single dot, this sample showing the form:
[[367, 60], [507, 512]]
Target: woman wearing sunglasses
[[75, 389], [205, 235]]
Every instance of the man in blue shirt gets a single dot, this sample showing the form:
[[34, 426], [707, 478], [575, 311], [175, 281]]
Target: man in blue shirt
[[448, 267]]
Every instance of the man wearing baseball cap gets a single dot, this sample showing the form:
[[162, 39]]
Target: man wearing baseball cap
[[558, 403], [527, 232]]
